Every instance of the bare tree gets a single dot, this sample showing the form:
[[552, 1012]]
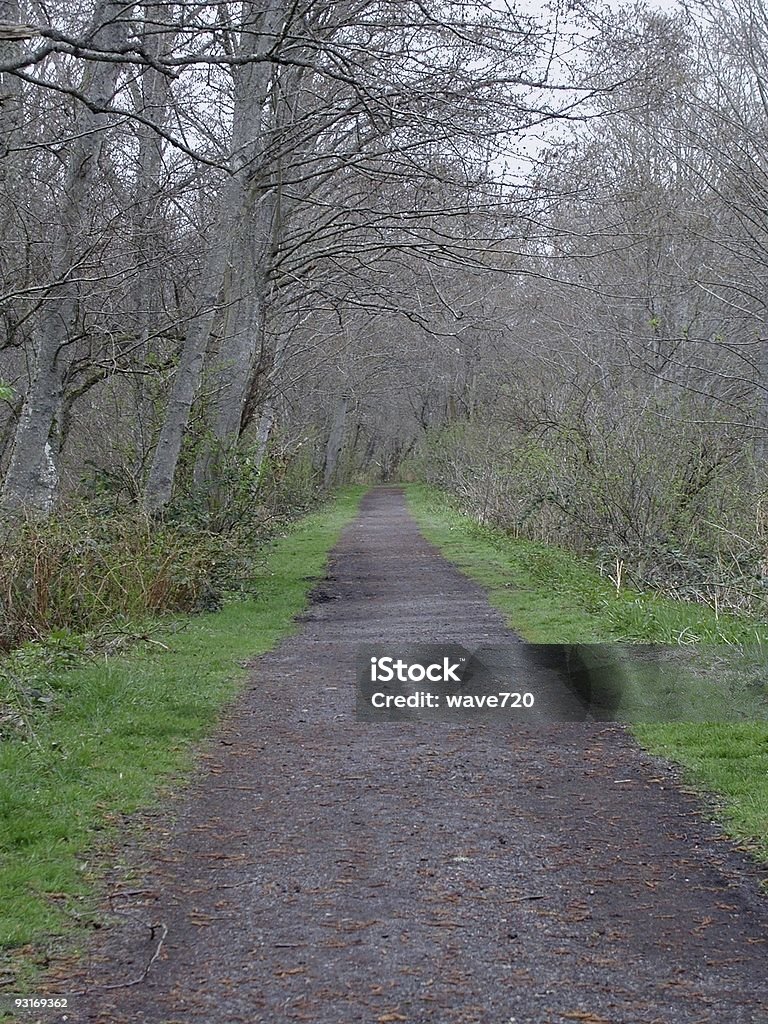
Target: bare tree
[[32, 477]]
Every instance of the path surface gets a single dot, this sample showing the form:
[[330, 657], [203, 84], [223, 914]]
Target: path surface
[[333, 872]]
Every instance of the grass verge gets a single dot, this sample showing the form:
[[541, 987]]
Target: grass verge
[[120, 730], [550, 596]]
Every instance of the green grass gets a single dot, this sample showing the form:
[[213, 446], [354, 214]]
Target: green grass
[[717, 680], [729, 759], [122, 730], [553, 596]]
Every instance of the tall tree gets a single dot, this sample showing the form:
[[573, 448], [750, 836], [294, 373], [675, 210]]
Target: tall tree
[[33, 475]]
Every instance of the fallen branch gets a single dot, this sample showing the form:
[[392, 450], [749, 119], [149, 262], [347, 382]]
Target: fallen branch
[[145, 972], [134, 981]]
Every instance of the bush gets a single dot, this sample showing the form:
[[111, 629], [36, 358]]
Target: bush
[[101, 561], [657, 495], [81, 568]]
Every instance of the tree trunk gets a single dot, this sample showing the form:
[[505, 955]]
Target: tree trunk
[[244, 310], [335, 441], [32, 480], [244, 328], [159, 486], [148, 223], [263, 434]]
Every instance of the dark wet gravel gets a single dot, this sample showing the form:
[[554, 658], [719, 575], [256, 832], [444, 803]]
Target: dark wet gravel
[[323, 870]]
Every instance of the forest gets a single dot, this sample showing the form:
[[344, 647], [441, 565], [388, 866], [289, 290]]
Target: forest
[[252, 251]]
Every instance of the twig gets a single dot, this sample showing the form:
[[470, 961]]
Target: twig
[[145, 972], [134, 981], [132, 892]]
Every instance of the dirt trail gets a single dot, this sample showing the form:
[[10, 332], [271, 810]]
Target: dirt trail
[[333, 872]]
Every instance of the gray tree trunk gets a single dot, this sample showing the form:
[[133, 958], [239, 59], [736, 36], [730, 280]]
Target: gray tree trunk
[[263, 434], [159, 486], [10, 91], [225, 265], [269, 408], [32, 479], [148, 288], [335, 441], [245, 335]]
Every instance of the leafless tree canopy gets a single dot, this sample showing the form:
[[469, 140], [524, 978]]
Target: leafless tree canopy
[[520, 253]]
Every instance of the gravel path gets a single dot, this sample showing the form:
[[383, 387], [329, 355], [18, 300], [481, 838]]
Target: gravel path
[[335, 872]]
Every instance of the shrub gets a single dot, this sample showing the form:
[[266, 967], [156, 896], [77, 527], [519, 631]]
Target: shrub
[[81, 568], [666, 500]]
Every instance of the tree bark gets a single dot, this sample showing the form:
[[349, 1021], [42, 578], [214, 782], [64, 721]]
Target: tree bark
[[335, 441], [244, 310], [32, 480]]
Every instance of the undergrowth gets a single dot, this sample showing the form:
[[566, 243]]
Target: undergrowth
[[100, 562]]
